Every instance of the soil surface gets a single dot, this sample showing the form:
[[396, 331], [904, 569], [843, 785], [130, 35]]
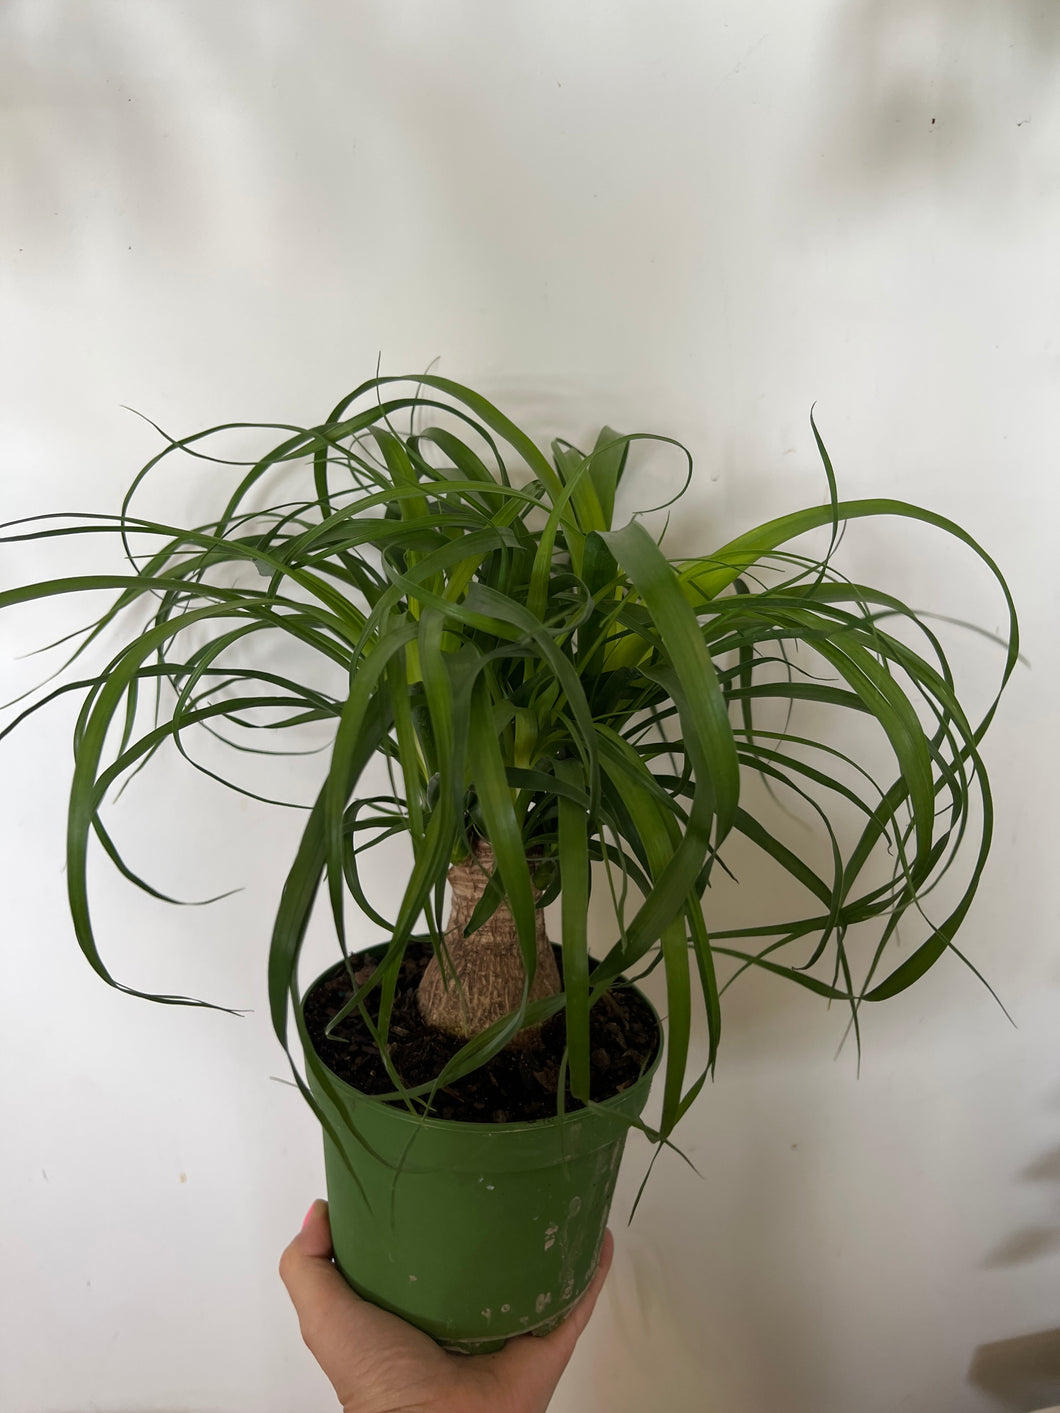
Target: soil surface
[[513, 1087]]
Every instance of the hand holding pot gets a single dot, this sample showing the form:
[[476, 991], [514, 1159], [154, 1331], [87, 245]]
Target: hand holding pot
[[377, 1363]]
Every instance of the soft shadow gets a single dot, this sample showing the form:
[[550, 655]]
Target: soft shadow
[[1032, 1242], [1027, 1244], [920, 93], [1021, 1373], [1044, 1169]]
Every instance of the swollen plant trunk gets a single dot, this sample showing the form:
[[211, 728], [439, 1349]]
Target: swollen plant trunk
[[485, 979]]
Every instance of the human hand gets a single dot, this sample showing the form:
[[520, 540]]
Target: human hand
[[377, 1363]]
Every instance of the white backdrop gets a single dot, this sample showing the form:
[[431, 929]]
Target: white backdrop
[[691, 218]]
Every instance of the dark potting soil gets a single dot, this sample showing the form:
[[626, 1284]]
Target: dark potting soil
[[513, 1087]]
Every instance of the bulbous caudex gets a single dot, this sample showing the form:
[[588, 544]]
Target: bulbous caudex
[[485, 975]]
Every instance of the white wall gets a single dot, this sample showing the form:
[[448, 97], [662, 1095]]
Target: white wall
[[694, 218]]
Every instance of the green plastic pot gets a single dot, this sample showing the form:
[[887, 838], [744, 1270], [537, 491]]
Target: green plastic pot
[[472, 1232]]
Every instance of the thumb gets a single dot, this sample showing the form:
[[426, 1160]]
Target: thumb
[[358, 1345], [314, 1240], [317, 1289], [346, 1334]]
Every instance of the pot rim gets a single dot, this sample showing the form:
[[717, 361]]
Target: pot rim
[[611, 1106]]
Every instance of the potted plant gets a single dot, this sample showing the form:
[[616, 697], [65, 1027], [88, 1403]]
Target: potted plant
[[558, 706]]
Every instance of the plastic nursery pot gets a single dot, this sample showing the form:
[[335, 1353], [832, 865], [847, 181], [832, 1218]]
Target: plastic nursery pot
[[473, 1232]]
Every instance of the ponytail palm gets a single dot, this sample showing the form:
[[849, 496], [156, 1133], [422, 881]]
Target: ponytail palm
[[549, 693]]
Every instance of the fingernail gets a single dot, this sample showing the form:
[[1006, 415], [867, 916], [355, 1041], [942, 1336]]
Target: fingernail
[[305, 1219]]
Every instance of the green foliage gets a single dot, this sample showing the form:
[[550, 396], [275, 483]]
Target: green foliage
[[532, 674]]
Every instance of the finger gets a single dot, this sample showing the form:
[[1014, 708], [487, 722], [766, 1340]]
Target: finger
[[306, 1269], [544, 1357]]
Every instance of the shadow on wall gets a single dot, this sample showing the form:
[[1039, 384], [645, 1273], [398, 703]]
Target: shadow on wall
[[227, 140], [922, 93], [1024, 1372], [146, 125], [1021, 1373], [1030, 1243]]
